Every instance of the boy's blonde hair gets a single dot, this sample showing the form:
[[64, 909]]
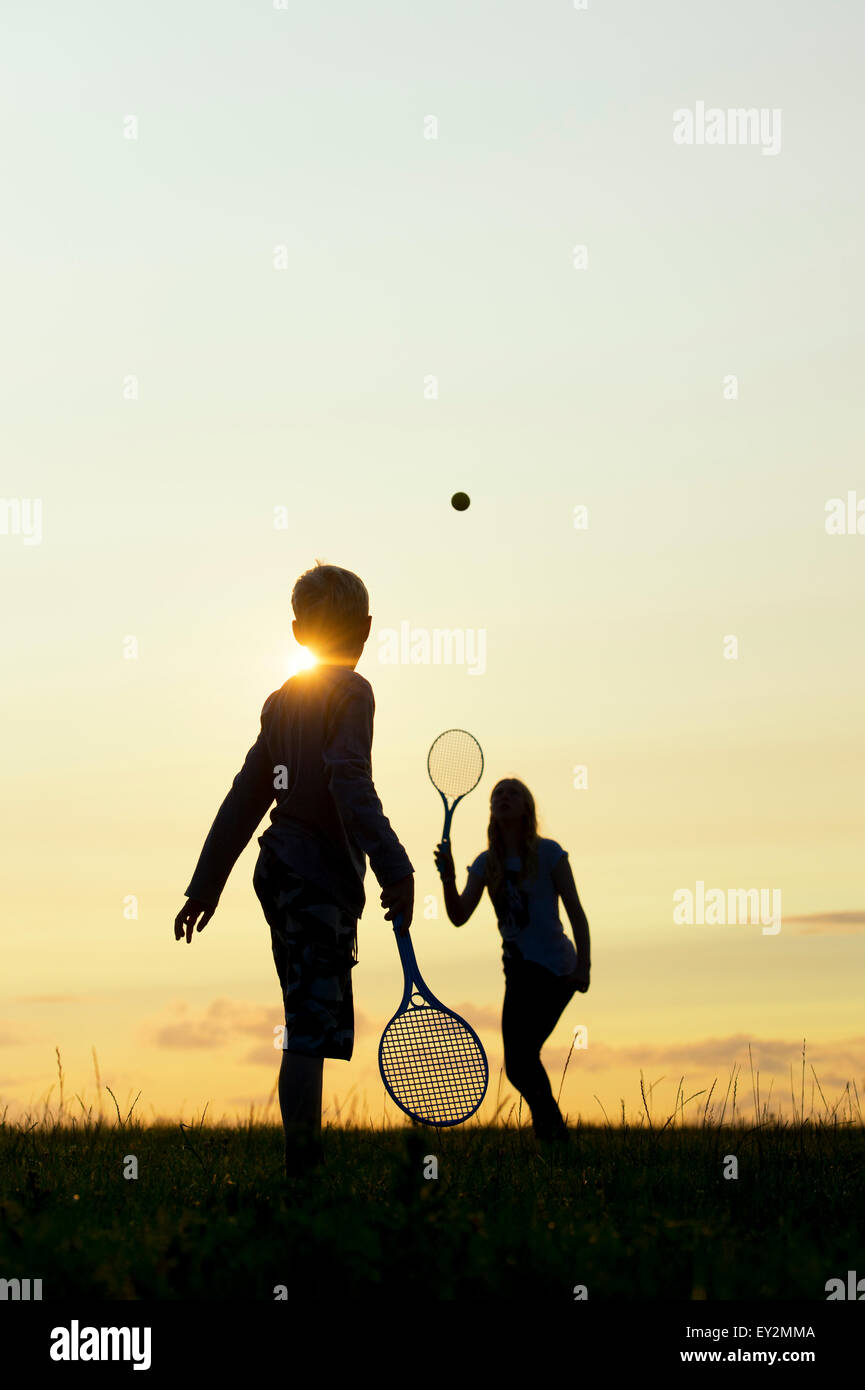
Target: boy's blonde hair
[[332, 602]]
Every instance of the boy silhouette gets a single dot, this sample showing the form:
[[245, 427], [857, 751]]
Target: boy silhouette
[[313, 754]]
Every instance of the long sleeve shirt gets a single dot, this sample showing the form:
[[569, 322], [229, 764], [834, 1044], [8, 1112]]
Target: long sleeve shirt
[[314, 756]]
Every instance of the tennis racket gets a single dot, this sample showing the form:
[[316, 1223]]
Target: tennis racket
[[455, 764], [431, 1061]]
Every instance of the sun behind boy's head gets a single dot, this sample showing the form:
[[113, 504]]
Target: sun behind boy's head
[[331, 610]]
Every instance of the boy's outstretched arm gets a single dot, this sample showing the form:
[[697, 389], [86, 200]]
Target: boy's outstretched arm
[[348, 767], [248, 798]]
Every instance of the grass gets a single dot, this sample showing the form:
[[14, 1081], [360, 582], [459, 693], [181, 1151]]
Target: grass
[[631, 1211]]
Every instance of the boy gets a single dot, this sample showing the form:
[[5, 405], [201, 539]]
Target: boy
[[313, 755]]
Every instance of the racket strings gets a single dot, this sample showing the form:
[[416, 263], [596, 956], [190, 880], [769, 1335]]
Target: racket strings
[[455, 762], [434, 1066]]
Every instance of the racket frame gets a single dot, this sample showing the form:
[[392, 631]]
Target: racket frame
[[413, 982], [449, 810]]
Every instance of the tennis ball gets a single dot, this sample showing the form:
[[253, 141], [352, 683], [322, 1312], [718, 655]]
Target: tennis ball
[[460, 501]]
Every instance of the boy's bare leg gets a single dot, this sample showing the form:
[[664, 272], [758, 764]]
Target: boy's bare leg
[[300, 1082]]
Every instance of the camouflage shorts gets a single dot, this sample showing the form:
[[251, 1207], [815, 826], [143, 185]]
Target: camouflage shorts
[[314, 943]]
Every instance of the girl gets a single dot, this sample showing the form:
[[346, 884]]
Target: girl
[[524, 875]]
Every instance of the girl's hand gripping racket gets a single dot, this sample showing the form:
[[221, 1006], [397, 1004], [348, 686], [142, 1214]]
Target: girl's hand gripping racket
[[431, 1061]]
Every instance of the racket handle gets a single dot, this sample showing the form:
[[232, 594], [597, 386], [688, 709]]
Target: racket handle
[[402, 942], [406, 955]]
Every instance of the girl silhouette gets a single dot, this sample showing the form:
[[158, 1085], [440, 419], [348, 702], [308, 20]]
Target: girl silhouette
[[525, 875]]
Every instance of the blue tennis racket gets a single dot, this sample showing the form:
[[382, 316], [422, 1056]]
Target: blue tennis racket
[[455, 764], [431, 1061]]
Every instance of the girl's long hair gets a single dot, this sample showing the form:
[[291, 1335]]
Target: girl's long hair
[[528, 848]]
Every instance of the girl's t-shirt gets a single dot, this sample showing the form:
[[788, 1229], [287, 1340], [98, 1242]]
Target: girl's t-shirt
[[528, 913]]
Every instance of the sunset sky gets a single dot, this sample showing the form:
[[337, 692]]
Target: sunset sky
[[256, 316]]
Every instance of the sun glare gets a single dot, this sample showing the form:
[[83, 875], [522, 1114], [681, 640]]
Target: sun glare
[[300, 660]]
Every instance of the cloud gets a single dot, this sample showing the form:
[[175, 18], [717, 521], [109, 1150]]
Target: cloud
[[49, 999], [480, 1016], [717, 1056], [830, 923], [217, 1026], [225, 1022]]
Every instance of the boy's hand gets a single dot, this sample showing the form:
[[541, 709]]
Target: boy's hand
[[186, 918], [399, 897], [444, 862]]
